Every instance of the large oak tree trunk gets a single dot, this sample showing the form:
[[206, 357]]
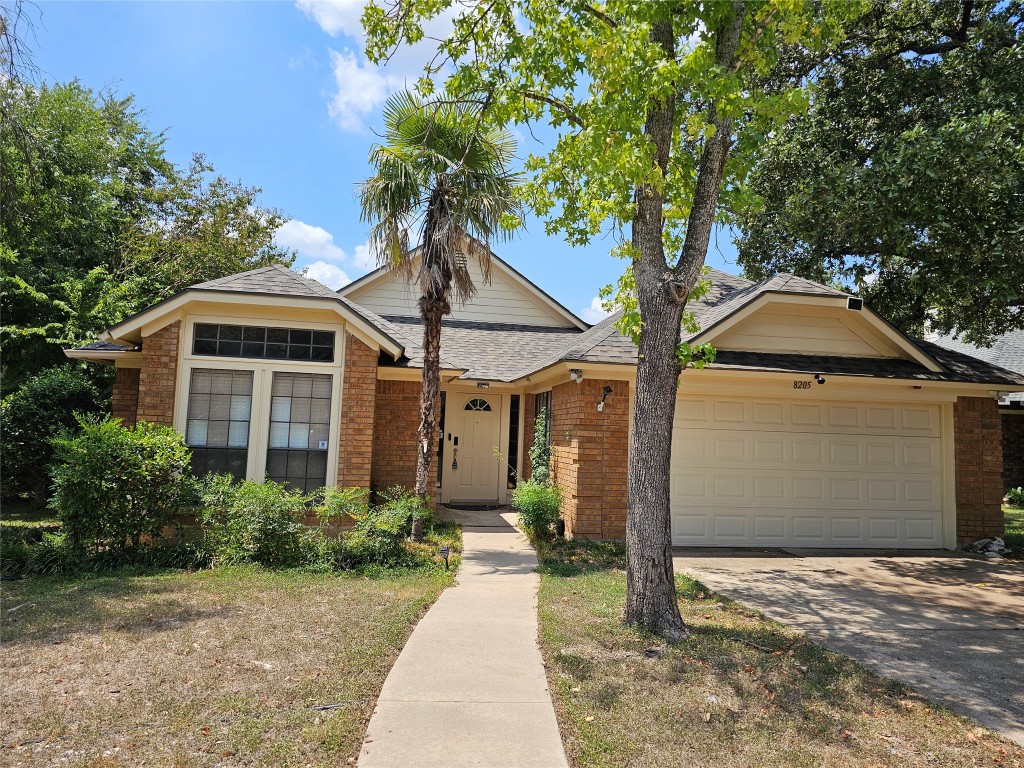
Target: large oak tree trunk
[[662, 292]]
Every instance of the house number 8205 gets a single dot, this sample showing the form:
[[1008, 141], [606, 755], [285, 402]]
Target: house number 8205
[[801, 385]]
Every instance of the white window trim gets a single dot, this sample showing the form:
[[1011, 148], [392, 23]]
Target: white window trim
[[262, 370]]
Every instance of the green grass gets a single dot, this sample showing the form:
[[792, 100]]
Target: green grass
[[742, 691], [216, 667], [1013, 519]]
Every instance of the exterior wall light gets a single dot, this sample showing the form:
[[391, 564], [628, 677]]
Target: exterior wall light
[[605, 391], [576, 375]]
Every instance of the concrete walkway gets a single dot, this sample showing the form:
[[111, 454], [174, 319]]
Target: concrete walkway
[[469, 687], [948, 624]]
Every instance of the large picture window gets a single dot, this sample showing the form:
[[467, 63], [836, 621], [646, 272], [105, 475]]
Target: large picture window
[[217, 431], [300, 419], [263, 343]]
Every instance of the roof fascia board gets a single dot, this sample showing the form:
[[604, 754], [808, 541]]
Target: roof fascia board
[[404, 373], [147, 319], [107, 356]]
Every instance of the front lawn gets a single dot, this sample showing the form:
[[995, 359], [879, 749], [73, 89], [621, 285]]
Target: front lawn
[[743, 691], [228, 667]]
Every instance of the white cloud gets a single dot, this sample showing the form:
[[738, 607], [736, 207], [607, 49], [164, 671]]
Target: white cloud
[[595, 313], [335, 17], [361, 89], [330, 275], [309, 240]]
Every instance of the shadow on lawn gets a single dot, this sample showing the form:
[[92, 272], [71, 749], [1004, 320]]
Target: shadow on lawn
[[50, 609]]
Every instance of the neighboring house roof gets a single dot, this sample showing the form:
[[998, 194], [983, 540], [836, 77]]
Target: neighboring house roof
[[1006, 352]]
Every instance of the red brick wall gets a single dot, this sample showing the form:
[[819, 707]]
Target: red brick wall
[[528, 406], [1013, 449], [979, 468], [125, 401], [159, 374], [589, 457], [396, 418], [358, 397]]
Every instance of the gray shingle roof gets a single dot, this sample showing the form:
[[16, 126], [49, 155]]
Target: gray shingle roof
[[1007, 351], [496, 351], [276, 279]]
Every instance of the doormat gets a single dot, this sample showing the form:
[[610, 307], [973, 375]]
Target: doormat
[[474, 507]]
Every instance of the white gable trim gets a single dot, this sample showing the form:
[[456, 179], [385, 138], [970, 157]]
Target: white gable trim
[[131, 330], [886, 331], [526, 286]]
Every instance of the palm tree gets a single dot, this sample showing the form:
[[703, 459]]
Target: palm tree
[[442, 172]]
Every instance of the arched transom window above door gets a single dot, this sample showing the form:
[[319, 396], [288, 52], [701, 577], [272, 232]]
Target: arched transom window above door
[[478, 404]]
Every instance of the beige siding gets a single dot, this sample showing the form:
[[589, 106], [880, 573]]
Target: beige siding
[[804, 330], [500, 301]]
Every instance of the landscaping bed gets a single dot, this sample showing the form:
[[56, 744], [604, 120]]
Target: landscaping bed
[[1013, 520], [742, 691], [231, 666]]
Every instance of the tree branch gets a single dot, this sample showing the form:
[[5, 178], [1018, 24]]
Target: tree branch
[[561, 106], [600, 15]]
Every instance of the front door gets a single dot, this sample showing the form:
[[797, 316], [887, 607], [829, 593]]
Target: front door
[[472, 421]]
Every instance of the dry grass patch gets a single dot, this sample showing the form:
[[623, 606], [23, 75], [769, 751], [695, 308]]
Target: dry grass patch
[[743, 691], [228, 667]]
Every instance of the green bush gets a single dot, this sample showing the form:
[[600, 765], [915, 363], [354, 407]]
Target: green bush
[[1015, 496], [116, 487], [42, 408], [250, 522], [539, 506], [540, 451], [379, 534]]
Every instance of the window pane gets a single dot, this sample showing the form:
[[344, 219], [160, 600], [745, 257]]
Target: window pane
[[302, 384], [323, 338], [251, 333], [240, 407], [241, 383], [229, 348], [259, 342], [297, 352], [299, 421], [205, 331], [238, 434], [278, 435], [202, 380], [220, 407], [204, 347], [222, 382], [253, 349], [217, 434], [322, 354], [300, 408], [298, 336], [219, 420], [280, 409], [196, 432], [231, 333], [198, 406], [277, 335], [277, 351]]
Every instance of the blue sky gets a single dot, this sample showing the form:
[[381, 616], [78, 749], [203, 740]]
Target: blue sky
[[279, 96]]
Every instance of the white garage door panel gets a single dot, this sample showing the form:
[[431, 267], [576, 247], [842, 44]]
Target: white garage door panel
[[806, 473]]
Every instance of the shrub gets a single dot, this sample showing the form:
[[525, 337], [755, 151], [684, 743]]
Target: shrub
[[250, 522], [539, 506], [42, 408], [115, 486], [380, 531], [540, 451], [1015, 496]]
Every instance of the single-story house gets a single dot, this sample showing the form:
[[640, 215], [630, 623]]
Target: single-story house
[[1006, 351], [819, 425]]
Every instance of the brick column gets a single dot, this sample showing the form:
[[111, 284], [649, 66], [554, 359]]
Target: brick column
[[529, 403], [396, 419], [158, 375], [590, 457], [124, 403], [1013, 449], [979, 468], [358, 398]]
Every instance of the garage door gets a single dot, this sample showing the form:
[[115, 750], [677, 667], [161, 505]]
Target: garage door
[[802, 473]]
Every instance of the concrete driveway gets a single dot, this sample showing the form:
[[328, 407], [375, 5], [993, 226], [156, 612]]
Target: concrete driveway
[[949, 625]]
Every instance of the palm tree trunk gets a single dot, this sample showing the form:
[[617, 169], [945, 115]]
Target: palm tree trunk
[[431, 312]]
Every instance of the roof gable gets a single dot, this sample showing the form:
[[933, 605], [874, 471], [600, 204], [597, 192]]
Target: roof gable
[[507, 297]]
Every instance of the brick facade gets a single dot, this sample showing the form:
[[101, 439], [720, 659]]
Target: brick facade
[[529, 406], [1013, 449], [124, 403], [159, 375], [589, 452], [396, 419], [979, 468], [358, 398]]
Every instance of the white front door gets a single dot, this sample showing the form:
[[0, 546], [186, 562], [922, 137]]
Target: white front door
[[471, 466]]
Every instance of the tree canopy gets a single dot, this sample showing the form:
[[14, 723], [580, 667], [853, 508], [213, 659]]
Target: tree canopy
[[905, 178], [659, 109], [96, 223]]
